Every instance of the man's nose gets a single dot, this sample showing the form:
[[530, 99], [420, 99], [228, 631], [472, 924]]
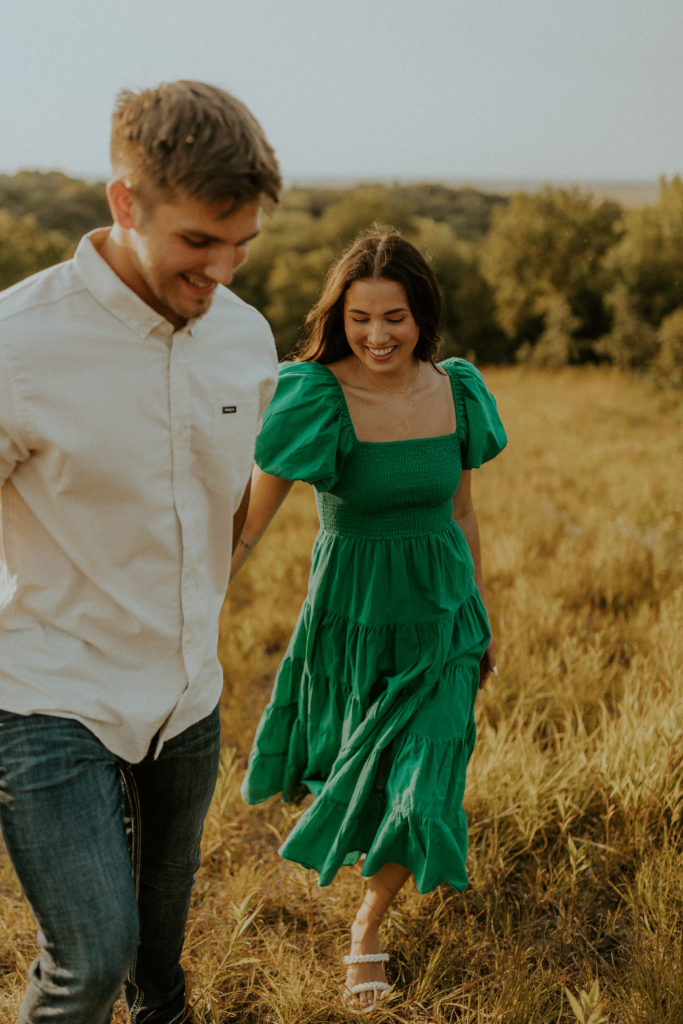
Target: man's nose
[[220, 267]]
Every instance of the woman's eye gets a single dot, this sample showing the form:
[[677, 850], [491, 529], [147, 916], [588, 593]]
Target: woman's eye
[[399, 321]]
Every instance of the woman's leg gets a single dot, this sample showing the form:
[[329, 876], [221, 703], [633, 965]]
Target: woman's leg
[[379, 895]]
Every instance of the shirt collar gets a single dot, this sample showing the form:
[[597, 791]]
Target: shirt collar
[[110, 291]]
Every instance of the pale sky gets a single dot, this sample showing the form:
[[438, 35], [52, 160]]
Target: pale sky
[[448, 90]]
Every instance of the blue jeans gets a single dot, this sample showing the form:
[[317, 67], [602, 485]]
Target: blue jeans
[[106, 854]]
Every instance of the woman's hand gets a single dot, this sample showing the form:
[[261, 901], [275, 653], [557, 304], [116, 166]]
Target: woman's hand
[[488, 663]]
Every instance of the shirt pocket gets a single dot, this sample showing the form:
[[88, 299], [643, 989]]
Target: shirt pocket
[[224, 446]]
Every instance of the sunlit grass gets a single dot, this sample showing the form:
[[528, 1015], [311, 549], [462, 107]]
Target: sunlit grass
[[575, 795]]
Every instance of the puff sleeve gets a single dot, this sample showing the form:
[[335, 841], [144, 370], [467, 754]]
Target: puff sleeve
[[482, 433], [306, 432]]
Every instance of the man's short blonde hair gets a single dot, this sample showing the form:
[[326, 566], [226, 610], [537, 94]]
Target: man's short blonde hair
[[191, 140]]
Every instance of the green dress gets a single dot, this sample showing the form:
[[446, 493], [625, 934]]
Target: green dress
[[373, 705]]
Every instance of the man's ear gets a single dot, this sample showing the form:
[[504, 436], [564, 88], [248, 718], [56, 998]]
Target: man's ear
[[121, 202]]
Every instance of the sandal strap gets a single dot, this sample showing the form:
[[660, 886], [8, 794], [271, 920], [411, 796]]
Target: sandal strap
[[367, 958], [369, 986]]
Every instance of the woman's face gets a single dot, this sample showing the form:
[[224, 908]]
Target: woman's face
[[379, 325]]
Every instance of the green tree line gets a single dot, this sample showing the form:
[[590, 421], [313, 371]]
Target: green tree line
[[548, 278]]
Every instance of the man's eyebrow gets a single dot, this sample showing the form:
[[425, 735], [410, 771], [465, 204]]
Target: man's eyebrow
[[205, 237]]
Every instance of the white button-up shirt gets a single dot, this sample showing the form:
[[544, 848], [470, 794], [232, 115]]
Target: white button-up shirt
[[125, 448]]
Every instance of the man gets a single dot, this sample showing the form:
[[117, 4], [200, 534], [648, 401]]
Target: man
[[132, 383]]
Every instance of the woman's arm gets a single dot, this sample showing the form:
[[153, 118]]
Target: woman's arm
[[240, 516], [465, 517], [267, 494]]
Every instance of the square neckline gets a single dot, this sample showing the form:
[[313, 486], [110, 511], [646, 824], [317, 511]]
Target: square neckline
[[405, 440]]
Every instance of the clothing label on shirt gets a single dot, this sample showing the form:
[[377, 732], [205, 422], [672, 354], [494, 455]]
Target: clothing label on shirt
[[229, 408]]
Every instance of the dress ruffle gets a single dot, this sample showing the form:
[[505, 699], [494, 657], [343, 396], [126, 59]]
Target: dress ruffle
[[376, 722]]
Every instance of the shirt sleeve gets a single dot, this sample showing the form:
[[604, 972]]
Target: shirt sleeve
[[306, 432], [482, 433], [13, 448]]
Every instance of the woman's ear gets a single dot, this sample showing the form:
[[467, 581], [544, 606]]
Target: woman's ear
[[121, 202]]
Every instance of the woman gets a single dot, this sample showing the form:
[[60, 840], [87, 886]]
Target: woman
[[373, 706]]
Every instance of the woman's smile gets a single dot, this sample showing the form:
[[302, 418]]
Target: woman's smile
[[381, 353]]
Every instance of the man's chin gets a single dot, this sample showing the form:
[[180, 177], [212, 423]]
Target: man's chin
[[193, 310]]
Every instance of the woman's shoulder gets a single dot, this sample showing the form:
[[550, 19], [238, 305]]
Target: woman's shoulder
[[306, 369], [288, 366], [307, 393], [461, 370], [307, 379]]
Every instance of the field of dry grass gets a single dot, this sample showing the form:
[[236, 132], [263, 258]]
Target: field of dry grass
[[575, 797]]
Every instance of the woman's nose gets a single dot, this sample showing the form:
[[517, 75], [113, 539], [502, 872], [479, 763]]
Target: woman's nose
[[378, 330]]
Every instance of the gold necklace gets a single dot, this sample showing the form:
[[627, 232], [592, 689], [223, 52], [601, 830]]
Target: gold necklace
[[394, 391]]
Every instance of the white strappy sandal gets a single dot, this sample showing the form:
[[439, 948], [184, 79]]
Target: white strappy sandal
[[380, 988]]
